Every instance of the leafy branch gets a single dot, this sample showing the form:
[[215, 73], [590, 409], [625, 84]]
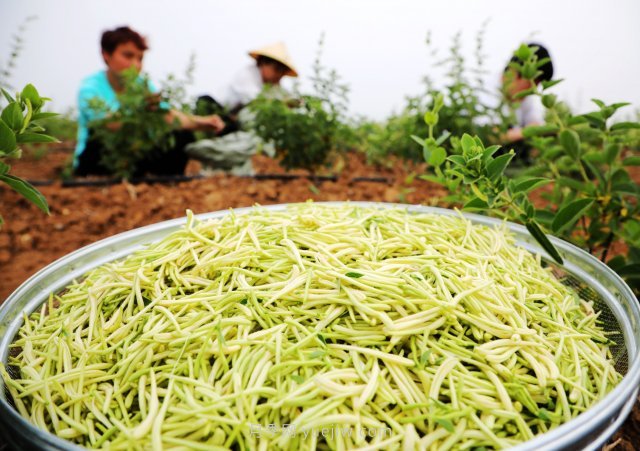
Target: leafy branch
[[18, 125], [592, 201]]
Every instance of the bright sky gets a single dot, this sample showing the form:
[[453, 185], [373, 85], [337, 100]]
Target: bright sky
[[378, 47]]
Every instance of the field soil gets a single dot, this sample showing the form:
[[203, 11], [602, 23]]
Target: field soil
[[81, 215]]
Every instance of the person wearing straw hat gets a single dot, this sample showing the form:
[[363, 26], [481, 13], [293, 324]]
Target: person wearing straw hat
[[272, 63], [232, 149]]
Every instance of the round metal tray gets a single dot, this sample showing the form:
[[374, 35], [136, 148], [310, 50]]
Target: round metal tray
[[587, 431]]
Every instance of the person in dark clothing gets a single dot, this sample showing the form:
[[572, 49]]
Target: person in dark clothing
[[528, 110]]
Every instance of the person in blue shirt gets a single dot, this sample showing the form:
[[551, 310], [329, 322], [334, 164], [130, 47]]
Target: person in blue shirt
[[122, 49]]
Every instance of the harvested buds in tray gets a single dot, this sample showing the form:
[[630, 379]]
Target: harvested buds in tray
[[315, 327]]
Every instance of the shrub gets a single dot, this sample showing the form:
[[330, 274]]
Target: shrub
[[307, 129], [141, 125], [593, 202]]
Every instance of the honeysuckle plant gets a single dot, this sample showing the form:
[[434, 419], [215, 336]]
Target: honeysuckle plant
[[591, 199], [19, 125]]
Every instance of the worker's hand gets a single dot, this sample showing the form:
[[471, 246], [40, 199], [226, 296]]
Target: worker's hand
[[513, 134], [295, 103], [153, 102], [211, 122]]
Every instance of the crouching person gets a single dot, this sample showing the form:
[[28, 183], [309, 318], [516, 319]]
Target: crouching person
[[232, 150], [141, 135]]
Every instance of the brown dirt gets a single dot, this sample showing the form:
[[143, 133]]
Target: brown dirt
[[30, 240]]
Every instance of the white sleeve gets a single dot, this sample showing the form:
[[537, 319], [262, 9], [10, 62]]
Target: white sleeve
[[531, 111], [243, 88]]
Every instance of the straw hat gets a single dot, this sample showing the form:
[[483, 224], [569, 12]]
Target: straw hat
[[278, 52]]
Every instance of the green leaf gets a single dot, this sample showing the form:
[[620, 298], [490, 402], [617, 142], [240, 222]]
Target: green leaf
[[4, 168], [355, 275], [479, 193], [548, 100], [418, 139], [528, 184], [458, 160], [621, 182], [526, 92], [7, 96], [36, 138], [575, 120], [596, 119], [46, 115], [594, 171], [467, 143], [539, 130], [570, 141], [489, 151], [476, 204], [541, 238], [618, 105], [524, 52], [631, 232], [7, 139], [438, 156], [12, 116], [27, 118], [548, 84], [599, 102], [432, 178], [31, 93], [625, 126], [443, 137], [438, 102], [27, 190], [617, 262], [431, 118], [569, 214], [595, 157], [611, 152], [496, 167], [544, 217], [574, 184], [631, 161], [446, 423], [629, 270], [529, 209]]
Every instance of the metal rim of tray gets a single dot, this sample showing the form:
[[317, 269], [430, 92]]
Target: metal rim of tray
[[588, 430]]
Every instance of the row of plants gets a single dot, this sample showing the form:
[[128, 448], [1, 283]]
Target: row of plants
[[579, 188]]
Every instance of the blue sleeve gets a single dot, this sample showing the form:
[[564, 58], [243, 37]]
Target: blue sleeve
[[86, 96], [154, 89]]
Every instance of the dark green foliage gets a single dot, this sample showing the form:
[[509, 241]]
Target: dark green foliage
[[18, 125]]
